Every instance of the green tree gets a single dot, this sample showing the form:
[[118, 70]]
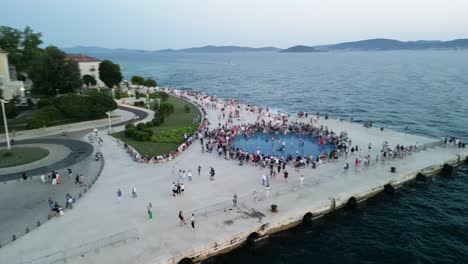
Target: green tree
[[137, 80], [30, 44], [10, 41], [163, 95], [150, 83], [22, 47], [165, 109], [89, 80], [51, 73], [91, 105], [11, 111], [109, 73]]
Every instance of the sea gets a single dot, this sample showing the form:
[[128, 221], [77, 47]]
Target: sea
[[421, 92]]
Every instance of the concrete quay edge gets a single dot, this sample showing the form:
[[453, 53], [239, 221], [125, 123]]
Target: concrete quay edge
[[277, 225]]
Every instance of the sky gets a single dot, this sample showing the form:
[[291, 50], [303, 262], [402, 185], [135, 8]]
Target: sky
[[156, 24]]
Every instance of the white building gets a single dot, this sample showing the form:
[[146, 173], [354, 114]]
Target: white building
[[10, 88], [88, 66]]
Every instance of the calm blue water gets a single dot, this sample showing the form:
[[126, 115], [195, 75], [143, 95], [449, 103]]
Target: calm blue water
[[424, 90], [273, 144]]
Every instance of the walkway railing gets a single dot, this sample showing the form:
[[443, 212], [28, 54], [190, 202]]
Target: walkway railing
[[63, 256]]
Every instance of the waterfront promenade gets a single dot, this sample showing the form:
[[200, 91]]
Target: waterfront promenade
[[99, 214]]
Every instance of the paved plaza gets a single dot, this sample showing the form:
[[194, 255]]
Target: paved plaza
[[100, 214]]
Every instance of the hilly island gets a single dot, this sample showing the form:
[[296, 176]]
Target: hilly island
[[362, 45]]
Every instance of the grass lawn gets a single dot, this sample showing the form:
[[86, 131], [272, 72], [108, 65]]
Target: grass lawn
[[177, 119], [19, 156]]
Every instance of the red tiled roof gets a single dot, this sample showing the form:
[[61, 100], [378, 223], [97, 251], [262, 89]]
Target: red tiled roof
[[81, 58]]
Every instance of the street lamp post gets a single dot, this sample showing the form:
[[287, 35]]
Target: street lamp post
[[109, 121], [147, 100], [5, 124]]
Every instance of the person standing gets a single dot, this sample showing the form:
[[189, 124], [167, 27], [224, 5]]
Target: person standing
[[302, 180], [119, 194], [192, 222], [149, 209], [189, 174], [181, 218], [234, 200], [199, 170]]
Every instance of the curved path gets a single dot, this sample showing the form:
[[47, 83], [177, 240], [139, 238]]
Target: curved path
[[79, 151], [139, 113]]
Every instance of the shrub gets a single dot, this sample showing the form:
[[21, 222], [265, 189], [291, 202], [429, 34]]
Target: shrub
[[43, 102], [163, 95], [130, 132], [139, 103], [165, 109], [43, 117], [141, 136], [129, 126], [89, 106], [11, 111], [141, 126], [8, 154], [187, 108], [149, 131]]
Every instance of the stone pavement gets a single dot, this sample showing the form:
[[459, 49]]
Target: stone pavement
[[99, 214]]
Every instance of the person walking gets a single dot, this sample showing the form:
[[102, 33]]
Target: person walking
[[302, 180], [189, 174], [234, 200], [181, 218], [119, 194], [149, 209], [199, 170], [77, 179], [192, 222]]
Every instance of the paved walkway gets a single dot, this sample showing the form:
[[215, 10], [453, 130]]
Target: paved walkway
[[100, 214], [24, 203]]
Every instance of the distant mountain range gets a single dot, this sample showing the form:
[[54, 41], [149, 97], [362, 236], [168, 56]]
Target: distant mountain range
[[391, 44], [362, 45], [301, 48], [209, 49]]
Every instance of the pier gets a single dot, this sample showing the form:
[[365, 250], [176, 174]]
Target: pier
[[101, 229]]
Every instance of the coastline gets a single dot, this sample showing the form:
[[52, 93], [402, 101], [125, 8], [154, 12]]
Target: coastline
[[222, 227]]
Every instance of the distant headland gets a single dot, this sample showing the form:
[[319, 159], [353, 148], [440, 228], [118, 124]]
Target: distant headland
[[378, 44]]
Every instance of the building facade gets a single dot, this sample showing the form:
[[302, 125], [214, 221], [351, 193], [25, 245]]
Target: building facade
[[10, 87], [88, 66]]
